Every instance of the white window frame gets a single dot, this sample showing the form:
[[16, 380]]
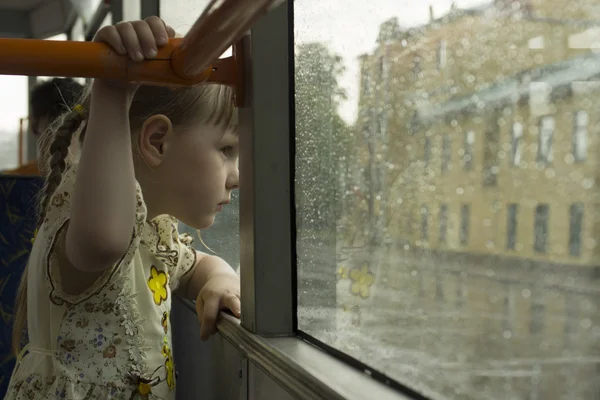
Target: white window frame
[[516, 145], [580, 135], [547, 127], [442, 53], [469, 150]]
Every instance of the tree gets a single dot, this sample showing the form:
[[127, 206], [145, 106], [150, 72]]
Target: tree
[[323, 139]]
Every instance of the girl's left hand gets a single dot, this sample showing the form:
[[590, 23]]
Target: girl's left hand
[[220, 292]]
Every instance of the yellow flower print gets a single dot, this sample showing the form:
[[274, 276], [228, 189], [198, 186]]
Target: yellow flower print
[[342, 272], [363, 280], [164, 322], [158, 285], [170, 367], [34, 235]]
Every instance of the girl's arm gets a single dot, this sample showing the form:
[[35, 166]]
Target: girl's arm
[[103, 202], [214, 285]]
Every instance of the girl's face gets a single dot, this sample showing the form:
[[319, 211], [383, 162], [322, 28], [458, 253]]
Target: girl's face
[[197, 170], [205, 171]]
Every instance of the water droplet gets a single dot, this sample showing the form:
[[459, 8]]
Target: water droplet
[[460, 190], [413, 272], [587, 183], [590, 243], [586, 323], [507, 334], [526, 293]]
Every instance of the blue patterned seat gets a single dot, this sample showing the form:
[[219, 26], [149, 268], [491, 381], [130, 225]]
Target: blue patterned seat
[[17, 223]]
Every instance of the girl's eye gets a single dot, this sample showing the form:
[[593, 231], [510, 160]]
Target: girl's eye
[[227, 150]]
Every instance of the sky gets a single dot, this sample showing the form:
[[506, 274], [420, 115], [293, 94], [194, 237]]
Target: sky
[[348, 27]]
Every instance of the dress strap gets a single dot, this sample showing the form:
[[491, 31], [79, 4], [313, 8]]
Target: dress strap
[[32, 350]]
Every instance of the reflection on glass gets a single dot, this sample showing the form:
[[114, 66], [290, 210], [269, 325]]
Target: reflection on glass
[[447, 194]]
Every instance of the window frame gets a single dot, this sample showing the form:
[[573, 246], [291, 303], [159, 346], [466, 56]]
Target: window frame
[[580, 135], [268, 232]]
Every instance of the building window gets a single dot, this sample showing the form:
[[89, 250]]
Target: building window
[[442, 54], [541, 228], [580, 136], [465, 220], [443, 222], [537, 318], [469, 144], [416, 68], [547, 125], [511, 227], [446, 153], [427, 152], [424, 223], [575, 229], [382, 125], [517, 135], [490, 153]]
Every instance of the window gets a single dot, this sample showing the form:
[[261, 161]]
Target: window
[[537, 317], [491, 149], [447, 281], [469, 144], [517, 134], [424, 223], [580, 135], [545, 140], [443, 222], [541, 228], [511, 226], [442, 54], [427, 152], [575, 229], [446, 153], [12, 108], [465, 221]]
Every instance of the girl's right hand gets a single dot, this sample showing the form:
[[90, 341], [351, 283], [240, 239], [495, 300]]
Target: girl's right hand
[[139, 40]]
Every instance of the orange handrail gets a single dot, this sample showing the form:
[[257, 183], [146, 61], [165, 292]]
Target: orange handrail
[[184, 61]]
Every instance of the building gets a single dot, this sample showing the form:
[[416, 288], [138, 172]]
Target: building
[[479, 140]]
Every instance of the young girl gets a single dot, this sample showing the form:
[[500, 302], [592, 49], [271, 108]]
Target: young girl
[[107, 257]]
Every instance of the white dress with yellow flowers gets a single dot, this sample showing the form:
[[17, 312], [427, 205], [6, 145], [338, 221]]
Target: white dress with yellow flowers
[[113, 341]]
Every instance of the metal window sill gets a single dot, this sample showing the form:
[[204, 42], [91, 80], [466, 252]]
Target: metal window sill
[[303, 370]]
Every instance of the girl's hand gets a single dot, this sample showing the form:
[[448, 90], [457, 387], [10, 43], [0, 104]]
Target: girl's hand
[[139, 40], [220, 292]]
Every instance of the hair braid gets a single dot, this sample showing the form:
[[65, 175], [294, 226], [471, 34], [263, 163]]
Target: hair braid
[[56, 164]]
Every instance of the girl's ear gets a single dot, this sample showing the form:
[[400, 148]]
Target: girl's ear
[[154, 139]]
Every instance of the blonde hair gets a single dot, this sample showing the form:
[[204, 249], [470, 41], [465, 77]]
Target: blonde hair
[[207, 103]]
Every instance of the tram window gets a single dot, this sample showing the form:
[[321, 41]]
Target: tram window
[[222, 237], [132, 10], [13, 107], [86, 9], [368, 284]]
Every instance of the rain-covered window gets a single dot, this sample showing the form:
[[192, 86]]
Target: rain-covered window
[[474, 282]]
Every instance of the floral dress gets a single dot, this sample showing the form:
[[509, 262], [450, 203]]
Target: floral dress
[[112, 341]]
